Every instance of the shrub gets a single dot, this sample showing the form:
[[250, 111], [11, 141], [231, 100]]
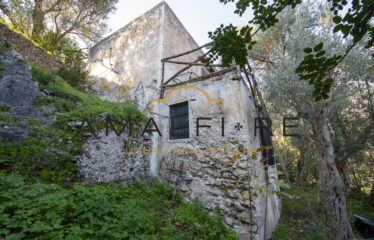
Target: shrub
[[41, 75], [41, 211], [70, 54], [76, 77]]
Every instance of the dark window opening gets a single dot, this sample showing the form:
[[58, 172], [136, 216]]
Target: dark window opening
[[267, 141], [179, 127]]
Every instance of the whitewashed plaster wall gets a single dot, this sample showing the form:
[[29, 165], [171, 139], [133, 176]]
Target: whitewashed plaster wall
[[132, 56]]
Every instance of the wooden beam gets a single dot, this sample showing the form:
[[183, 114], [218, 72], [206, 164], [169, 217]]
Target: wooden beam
[[194, 64], [250, 84], [185, 68], [201, 78], [188, 52], [162, 81]]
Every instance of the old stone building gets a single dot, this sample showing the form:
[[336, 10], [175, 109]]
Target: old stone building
[[208, 145]]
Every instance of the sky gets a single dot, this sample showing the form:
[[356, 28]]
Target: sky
[[198, 16]]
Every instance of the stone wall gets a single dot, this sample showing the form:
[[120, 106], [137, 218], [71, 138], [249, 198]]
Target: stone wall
[[27, 49], [106, 159], [128, 58], [224, 171]]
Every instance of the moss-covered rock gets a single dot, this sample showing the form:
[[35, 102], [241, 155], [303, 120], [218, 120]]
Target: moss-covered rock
[[36, 112]]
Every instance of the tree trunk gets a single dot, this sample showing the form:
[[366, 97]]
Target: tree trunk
[[332, 190], [371, 197], [300, 168], [37, 20], [286, 176]]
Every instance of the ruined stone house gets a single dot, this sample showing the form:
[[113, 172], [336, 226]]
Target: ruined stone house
[[206, 116]]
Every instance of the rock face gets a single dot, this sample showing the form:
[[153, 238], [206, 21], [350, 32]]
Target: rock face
[[106, 160], [17, 92]]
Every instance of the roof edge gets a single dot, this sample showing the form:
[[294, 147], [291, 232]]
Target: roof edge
[[122, 29], [158, 6], [179, 21]]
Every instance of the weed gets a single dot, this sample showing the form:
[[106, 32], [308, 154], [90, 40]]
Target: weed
[[41, 211]]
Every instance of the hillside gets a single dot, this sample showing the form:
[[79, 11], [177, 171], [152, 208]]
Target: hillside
[[41, 190]]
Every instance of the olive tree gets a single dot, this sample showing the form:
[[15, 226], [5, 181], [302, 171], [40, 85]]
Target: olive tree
[[81, 18], [335, 131]]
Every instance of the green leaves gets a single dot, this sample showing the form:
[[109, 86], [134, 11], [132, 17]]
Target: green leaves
[[337, 19], [308, 50], [318, 47], [314, 68], [320, 53], [41, 211], [230, 45], [356, 21]]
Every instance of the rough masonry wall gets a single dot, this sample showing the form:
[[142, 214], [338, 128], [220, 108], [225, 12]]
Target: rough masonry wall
[[269, 200], [220, 170], [27, 49], [107, 158]]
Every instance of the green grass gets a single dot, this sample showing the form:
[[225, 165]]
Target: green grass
[[302, 217], [4, 108], [2, 49], [90, 105], [41, 211]]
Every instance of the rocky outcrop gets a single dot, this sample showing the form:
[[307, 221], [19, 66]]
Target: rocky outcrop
[[105, 159], [25, 47], [17, 93]]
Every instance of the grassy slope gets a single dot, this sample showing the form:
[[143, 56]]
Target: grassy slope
[[302, 218]]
